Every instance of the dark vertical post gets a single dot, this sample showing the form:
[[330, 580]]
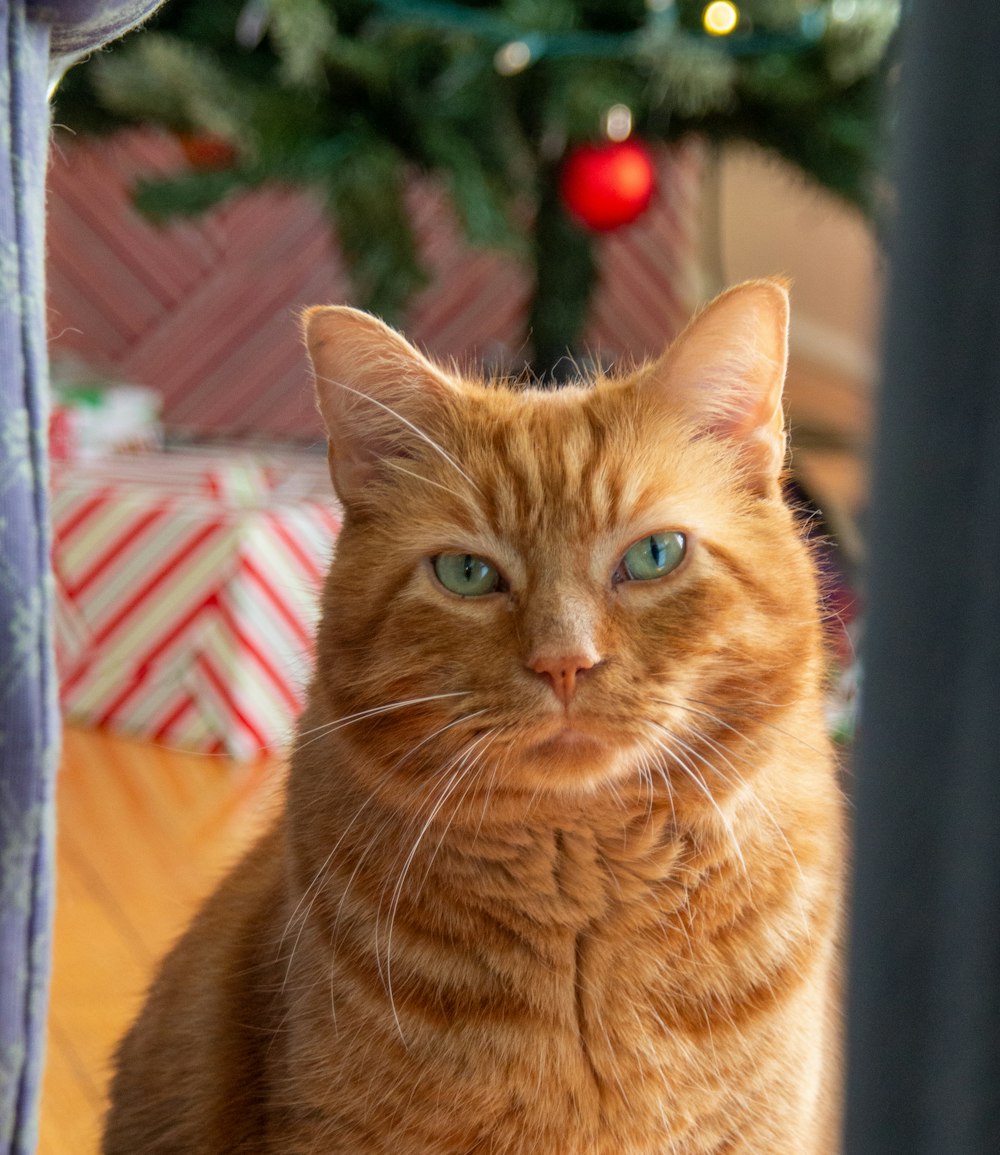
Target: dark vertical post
[[924, 1004]]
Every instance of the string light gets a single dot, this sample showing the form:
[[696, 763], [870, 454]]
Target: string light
[[520, 49], [512, 57], [720, 17], [618, 122]]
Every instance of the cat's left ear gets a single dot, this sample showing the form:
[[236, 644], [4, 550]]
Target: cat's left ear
[[727, 370]]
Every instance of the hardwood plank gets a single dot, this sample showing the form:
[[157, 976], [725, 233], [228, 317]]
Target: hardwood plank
[[71, 1107], [144, 833]]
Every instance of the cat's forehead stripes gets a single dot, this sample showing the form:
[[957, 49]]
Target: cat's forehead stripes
[[547, 464], [577, 465]]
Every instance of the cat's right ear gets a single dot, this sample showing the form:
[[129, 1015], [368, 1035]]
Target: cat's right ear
[[726, 372], [372, 388]]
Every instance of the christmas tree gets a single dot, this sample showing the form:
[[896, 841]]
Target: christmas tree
[[536, 114]]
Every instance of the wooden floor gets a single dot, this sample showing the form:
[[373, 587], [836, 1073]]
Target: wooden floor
[[144, 833]]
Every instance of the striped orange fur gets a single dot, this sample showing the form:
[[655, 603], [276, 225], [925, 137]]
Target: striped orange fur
[[560, 867]]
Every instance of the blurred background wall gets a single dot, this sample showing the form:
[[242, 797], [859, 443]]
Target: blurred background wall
[[771, 220]]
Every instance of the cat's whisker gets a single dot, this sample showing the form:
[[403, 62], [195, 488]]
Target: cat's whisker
[[456, 776], [655, 765], [463, 766], [404, 421], [679, 759], [757, 720], [385, 969], [436, 733], [717, 748], [771, 725], [755, 800], [318, 879], [766, 703], [714, 743], [316, 884], [312, 891], [488, 791], [646, 778], [469, 775], [612, 788], [714, 718], [670, 792], [419, 477], [760, 805], [373, 844], [374, 711]]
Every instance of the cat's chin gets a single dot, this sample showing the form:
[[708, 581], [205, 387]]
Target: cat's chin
[[569, 739], [571, 757]]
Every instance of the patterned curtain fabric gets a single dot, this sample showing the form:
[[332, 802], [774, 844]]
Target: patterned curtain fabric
[[30, 33], [79, 25], [28, 720]]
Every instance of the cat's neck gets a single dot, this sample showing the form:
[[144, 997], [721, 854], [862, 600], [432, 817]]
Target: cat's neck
[[567, 911], [557, 858]]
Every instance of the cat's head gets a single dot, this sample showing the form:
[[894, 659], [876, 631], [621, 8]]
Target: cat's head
[[546, 590]]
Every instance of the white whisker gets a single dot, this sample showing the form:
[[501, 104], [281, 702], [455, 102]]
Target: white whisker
[[409, 425], [315, 886], [327, 728], [419, 477], [311, 893], [435, 733], [703, 786], [760, 721], [721, 751], [456, 777], [752, 795]]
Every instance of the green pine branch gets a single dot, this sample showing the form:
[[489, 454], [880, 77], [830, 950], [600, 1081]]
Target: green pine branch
[[350, 97]]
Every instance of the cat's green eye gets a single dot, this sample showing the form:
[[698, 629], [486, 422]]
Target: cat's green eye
[[468, 576], [652, 557]]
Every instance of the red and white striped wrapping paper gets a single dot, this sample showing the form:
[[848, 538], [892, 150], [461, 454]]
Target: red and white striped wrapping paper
[[187, 589]]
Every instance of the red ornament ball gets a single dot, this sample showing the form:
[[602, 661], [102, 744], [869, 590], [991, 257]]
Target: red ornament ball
[[207, 151], [607, 185]]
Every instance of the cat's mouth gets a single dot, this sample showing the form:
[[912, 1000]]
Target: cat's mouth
[[567, 750], [569, 735]]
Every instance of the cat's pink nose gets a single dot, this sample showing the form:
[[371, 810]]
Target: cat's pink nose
[[562, 672]]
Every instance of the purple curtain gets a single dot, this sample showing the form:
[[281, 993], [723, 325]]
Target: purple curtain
[[31, 34]]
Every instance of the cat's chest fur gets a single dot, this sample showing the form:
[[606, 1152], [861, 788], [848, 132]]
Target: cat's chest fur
[[561, 989]]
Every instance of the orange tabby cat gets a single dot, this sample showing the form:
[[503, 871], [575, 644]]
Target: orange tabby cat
[[560, 867]]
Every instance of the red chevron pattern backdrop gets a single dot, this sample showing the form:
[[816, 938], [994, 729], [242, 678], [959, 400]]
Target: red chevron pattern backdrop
[[205, 310]]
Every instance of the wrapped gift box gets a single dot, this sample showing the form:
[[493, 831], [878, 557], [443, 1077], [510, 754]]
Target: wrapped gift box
[[90, 420], [187, 589]]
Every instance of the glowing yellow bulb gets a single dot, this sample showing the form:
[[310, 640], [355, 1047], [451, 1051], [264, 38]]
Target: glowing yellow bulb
[[720, 17], [618, 122]]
